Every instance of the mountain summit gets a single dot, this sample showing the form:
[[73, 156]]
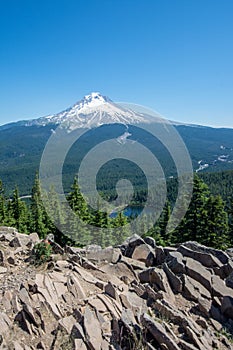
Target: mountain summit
[[92, 111]]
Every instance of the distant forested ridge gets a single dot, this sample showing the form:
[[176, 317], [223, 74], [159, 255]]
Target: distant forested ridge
[[21, 148]]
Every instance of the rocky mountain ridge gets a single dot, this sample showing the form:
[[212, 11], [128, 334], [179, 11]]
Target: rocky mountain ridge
[[136, 296]]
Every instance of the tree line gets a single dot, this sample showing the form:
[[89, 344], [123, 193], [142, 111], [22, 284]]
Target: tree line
[[209, 219]]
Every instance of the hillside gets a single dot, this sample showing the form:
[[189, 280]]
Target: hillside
[[136, 296], [22, 143]]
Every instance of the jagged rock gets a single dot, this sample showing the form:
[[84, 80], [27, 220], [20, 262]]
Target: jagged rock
[[168, 312], [229, 281], [15, 243], [24, 296], [204, 306], [34, 317], [79, 345], [34, 238], [160, 255], [62, 264], [202, 322], [186, 346], [151, 294], [111, 290], [227, 306], [159, 279], [145, 276], [96, 253], [17, 346], [175, 261], [74, 250], [132, 301], [194, 290], [199, 273], [57, 249], [168, 250], [6, 300], [133, 264], [222, 256], [75, 288], [196, 341], [67, 323], [11, 259], [230, 252], [3, 269], [225, 270], [97, 304], [1, 258], [15, 304], [41, 345], [7, 233], [205, 259], [150, 241], [158, 332], [24, 321], [144, 253], [77, 331], [219, 288], [216, 314], [105, 345], [228, 268], [5, 323], [112, 307], [92, 329], [174, 280], [130, 244], [128, 319]]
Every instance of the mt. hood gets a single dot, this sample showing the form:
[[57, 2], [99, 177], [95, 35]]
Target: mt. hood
[[92, 111]]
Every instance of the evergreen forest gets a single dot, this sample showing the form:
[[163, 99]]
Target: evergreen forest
[[208, 220]]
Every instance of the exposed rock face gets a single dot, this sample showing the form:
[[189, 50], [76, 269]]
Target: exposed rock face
[[137, 296]]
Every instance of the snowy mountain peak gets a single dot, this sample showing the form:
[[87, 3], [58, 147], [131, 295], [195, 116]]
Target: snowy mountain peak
[[91, 101], [95, 96], [92, 111]]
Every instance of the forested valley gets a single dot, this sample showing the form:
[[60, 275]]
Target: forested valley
[[209, 219]]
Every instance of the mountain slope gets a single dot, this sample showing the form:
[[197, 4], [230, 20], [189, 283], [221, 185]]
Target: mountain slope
[[92, 111], [22, 143]]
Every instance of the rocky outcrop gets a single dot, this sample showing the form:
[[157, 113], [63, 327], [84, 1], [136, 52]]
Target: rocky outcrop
[[136, 296]]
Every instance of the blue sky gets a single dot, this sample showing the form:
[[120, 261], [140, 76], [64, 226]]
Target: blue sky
[[174, 56]]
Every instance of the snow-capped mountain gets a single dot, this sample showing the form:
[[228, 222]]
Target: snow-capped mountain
[[92, 111]]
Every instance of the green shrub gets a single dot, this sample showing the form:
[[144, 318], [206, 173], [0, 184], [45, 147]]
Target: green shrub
[[42, 252]]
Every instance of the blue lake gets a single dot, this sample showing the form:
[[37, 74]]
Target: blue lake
[[133, 211]]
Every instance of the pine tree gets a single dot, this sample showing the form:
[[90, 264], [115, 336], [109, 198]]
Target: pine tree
[[215, 233], [193, 225], [77, 222], [163, 222], [55, 218], [230, 220], [2, 205], [9, 219], [19, 212], [38, 213], [122, 231]]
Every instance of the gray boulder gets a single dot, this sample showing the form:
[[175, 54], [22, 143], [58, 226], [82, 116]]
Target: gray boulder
[[229, 281], [198, 272], [206, 259], [222, 256], [227, 306], [130, 244]]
